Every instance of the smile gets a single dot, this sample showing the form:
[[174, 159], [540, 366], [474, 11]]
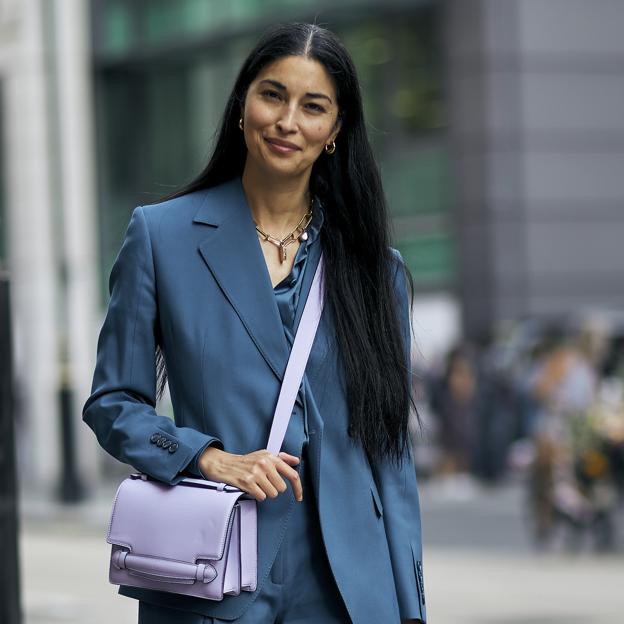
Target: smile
[[281, 149]]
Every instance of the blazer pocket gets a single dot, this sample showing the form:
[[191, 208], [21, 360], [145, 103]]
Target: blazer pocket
[[376, 500]]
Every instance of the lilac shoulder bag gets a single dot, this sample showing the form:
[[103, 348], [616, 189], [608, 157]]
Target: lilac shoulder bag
[[199, 537]]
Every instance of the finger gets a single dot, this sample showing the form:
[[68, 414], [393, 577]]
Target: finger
[[278, 483], [293, 476], [248, 484], [291, 461], [266, 486], [288, 457], [258, 493]]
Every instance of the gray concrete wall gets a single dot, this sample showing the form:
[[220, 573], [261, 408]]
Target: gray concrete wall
[[536, 93]]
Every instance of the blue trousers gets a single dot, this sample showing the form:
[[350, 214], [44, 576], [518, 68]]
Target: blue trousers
[[305, 592]]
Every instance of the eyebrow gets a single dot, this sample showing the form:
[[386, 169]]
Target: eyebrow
[[279, 85]]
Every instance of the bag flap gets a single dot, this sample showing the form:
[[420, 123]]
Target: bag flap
[[182, 522]]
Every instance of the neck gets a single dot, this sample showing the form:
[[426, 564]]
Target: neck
[[276, 205]]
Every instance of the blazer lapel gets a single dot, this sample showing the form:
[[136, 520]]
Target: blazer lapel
[[233, 254]]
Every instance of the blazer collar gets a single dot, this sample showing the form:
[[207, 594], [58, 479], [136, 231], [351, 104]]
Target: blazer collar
[[232, 252]]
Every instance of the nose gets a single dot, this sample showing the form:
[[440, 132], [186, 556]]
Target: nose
[[287, 122]]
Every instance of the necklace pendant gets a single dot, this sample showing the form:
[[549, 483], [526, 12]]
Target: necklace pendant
[[282, 253]]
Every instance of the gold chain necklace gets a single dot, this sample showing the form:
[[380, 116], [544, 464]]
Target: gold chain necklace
[[282, 243]]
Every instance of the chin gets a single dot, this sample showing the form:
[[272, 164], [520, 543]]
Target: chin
[[286, 170]]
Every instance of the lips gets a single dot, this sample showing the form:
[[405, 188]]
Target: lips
[[282, 146]]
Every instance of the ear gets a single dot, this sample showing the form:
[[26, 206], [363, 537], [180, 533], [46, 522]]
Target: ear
[[336, 129]]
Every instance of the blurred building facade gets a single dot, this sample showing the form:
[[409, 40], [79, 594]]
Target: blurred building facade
[[495, 123], [47, 218], [536, 94]]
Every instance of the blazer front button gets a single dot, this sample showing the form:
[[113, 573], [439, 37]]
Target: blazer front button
[[173, 448]]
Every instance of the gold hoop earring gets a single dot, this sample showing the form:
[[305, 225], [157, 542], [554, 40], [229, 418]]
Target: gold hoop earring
[[240, 123], [330, 149]]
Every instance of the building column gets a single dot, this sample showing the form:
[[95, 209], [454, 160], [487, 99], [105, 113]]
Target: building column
[[51, 223], [31, 253], [79, 255], [485, 129]]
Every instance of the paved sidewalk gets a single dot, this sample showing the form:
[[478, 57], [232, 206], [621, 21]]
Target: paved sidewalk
[[478, 567]]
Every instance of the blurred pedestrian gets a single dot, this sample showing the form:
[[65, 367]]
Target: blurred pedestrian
[[563, 387], [454, 398]]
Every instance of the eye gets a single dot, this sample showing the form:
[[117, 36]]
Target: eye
[[316, 107], [270, 93]]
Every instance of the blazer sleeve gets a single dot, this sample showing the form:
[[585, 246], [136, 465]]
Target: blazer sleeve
[[121, 407], [192, 469], [398, 490]]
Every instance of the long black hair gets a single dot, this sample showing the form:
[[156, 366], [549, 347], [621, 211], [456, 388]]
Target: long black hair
[[355, 240]]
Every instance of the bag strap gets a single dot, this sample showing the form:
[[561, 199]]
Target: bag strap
[[299, 353], [297, 360]]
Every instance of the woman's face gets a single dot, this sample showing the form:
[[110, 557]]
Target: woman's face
[[290, 114]]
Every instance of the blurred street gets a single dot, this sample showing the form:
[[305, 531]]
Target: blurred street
[[480, 566], [497, 128]]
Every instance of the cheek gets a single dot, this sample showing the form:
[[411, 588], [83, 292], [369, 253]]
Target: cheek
[[318, 133], [259, 117]]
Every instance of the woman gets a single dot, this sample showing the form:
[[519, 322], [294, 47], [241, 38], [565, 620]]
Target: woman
[[213, 281]]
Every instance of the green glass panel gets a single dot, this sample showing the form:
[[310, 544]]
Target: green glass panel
[[4, 227], [117, 27], [370, 47], [162, 21], [198, 15], [245, 9], [416, 180], [429, 258]]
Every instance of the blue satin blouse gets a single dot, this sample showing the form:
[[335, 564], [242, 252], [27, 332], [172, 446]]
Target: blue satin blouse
[[288, 290]]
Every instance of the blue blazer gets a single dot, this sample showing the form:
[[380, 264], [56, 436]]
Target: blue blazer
[[191, 277]]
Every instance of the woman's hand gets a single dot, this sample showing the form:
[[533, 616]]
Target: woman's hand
[[256, 473]]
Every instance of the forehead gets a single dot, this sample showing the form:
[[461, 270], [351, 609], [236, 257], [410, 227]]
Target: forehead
[[298, 73]]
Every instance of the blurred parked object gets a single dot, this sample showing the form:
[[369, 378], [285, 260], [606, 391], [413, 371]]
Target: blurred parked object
[[70, 488], [9, 567]]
